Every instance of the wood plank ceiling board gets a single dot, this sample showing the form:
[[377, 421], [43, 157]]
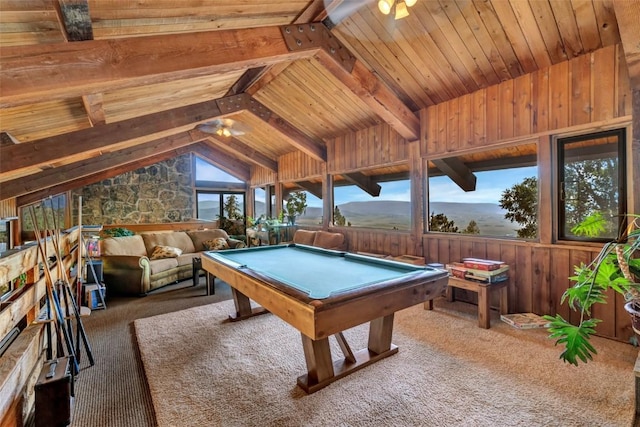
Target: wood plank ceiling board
[[132, 102], [396, 57], [262, 137], [24, 22], [123, 18], [45, 119], [531, 32], [549, 31], [586, 19], [508, 21], [314, 101], [606, 21], [568, 27]]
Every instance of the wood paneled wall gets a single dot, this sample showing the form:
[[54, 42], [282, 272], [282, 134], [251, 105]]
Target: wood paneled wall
[[262, 176], [376, 146], [538, 275], [8, 208], [589, 88], [298, 166]]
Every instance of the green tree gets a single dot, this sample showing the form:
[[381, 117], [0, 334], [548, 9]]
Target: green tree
[[231, 207], [472, 228], [440, 222], [521, 203], [591, 186], [338, 219]]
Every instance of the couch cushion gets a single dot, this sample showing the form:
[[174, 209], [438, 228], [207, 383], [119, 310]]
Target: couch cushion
[[304, 237], [125, 245], [198, 237], [216, 244], [327, 240], [160, 252], [176, 239]]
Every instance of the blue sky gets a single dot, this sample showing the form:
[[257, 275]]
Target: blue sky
[[489, 186]]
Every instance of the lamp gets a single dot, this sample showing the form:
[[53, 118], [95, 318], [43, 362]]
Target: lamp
[[223, 131], [398, 7]]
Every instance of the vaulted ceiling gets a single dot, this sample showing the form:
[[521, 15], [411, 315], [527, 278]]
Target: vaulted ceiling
[[92, 88]]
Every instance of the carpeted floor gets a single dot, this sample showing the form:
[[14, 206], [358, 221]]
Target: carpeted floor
[[204, 371], [113, 392]]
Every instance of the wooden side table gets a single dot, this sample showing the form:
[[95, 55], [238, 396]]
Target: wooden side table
[[484, 293]]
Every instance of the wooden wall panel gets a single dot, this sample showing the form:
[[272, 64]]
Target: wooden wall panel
[[538, 275], [297, 166], [570, 93], [376, 146], [262, 176], [8, 208]]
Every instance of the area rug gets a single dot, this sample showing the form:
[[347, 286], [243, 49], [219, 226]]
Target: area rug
[[205, 371]]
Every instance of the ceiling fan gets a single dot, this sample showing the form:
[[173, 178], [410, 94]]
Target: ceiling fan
[[224, 127]]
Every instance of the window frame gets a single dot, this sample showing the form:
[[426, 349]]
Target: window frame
[[560, 211]]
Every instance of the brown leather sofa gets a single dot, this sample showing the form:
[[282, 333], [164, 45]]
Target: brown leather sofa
[[321, 239], [130, 268]]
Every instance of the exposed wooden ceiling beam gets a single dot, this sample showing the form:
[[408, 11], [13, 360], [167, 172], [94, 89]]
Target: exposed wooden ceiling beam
[[299, 140], [236, 148], [59, 71], [81, 68], [311, 187], [628, 17], [75, 19], [458, 172], [88, 167], [364, 182], [97, 177], [222, 160], [76, 146]]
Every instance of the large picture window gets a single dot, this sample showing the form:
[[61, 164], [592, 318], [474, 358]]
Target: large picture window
[[496, 193], [591, 180], [391, 209]]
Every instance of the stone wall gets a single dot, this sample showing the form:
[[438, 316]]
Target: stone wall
[[162, 192]]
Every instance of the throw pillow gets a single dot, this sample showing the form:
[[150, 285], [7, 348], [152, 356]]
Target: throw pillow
[[160, 252], [215, 244]]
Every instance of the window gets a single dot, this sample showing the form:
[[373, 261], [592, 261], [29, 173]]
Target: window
[[50, 214], [313, 212], [205, 171], [260, 202], [226, 207], [391, 210], [504, 202], [5, 235], [591, 180]]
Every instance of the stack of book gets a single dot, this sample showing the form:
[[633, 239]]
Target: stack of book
[[481, 270]]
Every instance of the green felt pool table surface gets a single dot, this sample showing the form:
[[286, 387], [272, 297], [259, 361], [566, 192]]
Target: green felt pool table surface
[[318, 273]]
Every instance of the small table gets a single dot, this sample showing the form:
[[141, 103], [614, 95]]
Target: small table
[[484, 293], [197, 266]]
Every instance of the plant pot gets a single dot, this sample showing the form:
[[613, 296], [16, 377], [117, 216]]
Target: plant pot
[[633, 308]]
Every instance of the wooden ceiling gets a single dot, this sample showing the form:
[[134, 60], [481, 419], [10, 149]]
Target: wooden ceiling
[[90, 88]]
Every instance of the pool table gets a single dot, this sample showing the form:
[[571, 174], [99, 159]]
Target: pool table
[[322, 293]]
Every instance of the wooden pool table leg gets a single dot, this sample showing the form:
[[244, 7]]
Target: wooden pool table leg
[[321, 371], [243, 307]]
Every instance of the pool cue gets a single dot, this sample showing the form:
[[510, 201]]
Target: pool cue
[[68, 295], [50, 294]]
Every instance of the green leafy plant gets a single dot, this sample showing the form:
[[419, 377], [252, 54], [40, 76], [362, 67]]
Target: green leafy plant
[[616, 267], [296, 203], [117, 232]]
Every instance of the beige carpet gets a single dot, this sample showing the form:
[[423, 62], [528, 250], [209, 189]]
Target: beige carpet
[[204, 371]]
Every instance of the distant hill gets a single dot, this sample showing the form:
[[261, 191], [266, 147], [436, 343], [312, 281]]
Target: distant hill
[[391, 213]]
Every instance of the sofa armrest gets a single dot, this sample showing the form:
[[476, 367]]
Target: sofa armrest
[[233, 243], [127, 274]]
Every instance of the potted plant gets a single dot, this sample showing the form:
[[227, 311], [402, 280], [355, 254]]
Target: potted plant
[[295, 206], [616, 267]]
